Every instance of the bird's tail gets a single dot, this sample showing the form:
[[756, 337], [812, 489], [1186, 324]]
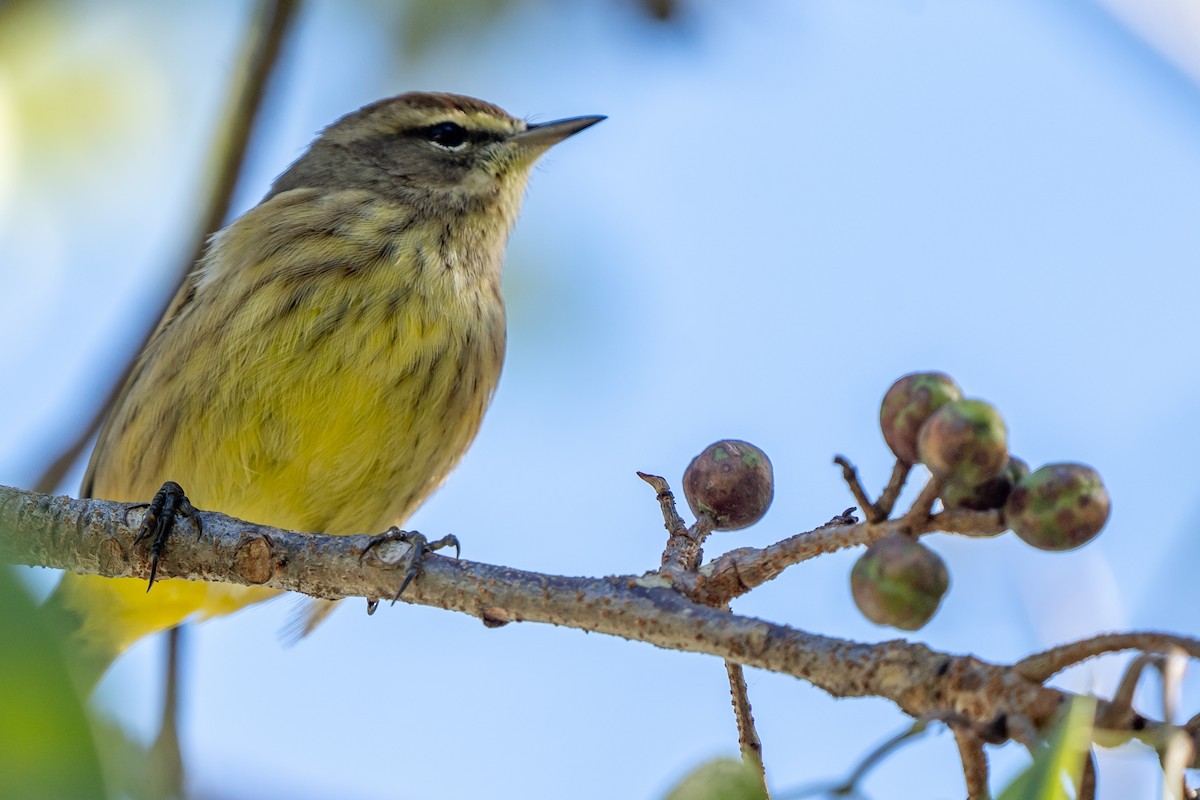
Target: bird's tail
[[88, 657]]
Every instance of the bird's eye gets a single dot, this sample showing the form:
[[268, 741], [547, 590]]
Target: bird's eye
[[448, 135]]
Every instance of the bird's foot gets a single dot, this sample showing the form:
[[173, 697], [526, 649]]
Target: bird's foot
[[419, 548], [169, 503]]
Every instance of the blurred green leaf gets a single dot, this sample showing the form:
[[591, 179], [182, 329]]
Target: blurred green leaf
[[720, 779], [1060, 764], [46, 744]]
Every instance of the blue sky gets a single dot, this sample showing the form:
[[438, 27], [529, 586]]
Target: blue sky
[[790, 206]]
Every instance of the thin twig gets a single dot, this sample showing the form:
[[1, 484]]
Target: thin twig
[[872, 759], [738, 571], [682, 557], [165, 768], [916, 519], [965, 522], [1179, 749], [850, 476], [881, 509], [260, 54], [748, 741], [1172, 666], [974, 763], [1177, 754], [848, 786], [891, 492], [682, 551], [701, 528], [1120, 707], [1087, 781], [1042, 666]]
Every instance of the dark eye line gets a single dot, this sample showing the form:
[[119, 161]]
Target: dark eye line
[[475, 136], [482, 137]]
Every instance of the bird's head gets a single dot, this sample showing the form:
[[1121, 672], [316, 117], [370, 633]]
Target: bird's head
[[437, 152]]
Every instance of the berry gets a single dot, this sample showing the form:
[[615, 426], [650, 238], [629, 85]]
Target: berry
[[732, 481], [964, 441], [1058, 507], [899, 582], [908, 404]]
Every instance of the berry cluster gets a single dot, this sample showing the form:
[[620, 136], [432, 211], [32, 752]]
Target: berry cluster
[[964, 444]]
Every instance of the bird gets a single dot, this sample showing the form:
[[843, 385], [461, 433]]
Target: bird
[[330, 357]]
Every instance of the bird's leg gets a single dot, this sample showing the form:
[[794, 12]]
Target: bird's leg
[[165, 769], [419, 549], [170, 502], [165, 775]]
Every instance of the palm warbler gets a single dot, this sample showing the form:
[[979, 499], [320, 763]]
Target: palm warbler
[[330, 358]]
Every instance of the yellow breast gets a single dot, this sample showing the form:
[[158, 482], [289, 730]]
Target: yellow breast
[[323, 371]]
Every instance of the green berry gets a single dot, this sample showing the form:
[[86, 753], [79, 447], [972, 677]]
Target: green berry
[[964, 441], [732, 481], [899, 582], [1058, 507], [908, 404]]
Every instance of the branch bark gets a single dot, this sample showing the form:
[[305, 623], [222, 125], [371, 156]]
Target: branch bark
[[97, 537]]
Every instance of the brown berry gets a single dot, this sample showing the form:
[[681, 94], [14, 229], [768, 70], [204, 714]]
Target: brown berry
[[1058, 507], [899, 582], [732, 481], [964, 441], [908, 404]]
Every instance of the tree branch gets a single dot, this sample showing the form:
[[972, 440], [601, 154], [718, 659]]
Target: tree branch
[[974, 764], [97, 537]]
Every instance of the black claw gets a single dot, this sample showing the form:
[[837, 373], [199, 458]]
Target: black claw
[[449, 540], [132, 507], [413, 569], [420, 550], [392, 534], [371, 606], [168, 503]]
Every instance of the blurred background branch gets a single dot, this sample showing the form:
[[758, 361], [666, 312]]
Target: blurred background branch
[[259, 54]]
